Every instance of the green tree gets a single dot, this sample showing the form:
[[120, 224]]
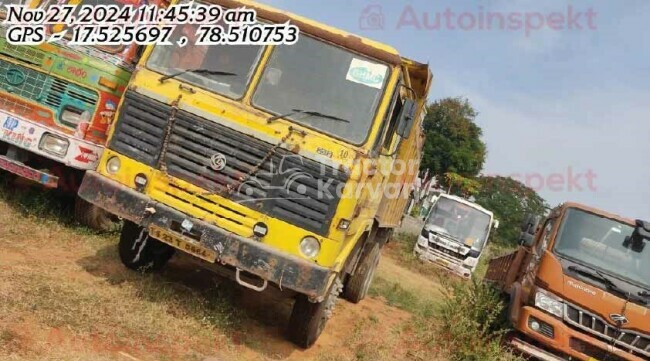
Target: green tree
[[465, 187], [511, 201], [453, 140]]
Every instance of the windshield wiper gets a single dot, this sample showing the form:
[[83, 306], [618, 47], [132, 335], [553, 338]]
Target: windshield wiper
[[609, 284], [197, 71], [596, 275], [307, 112], [644, 294]]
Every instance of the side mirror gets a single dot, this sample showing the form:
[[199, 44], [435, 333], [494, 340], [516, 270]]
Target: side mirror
[[496, 224], [530, 224], [526, 239], [406, 118], [639, 237]]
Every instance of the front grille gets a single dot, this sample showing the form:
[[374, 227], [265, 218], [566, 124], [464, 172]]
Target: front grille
[[633, 342], [593, 351], [286, 186], [140, 129], [47, 90], [33, 87]]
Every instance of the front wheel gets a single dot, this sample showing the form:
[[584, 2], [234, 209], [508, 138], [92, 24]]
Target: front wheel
[[94, 217], [308, 319], [358, 284], [140, 252]]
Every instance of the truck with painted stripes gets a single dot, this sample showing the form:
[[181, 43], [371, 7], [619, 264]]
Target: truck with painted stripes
[[56, 104]]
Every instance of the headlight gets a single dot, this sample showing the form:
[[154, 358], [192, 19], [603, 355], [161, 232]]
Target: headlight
[[309, 247], [470, 262], [549, 303], [423, 241], [54, 144], [113, 165]]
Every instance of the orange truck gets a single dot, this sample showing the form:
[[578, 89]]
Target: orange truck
[[578, 286]]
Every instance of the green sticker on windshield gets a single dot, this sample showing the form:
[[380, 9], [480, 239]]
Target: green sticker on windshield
[[367, 73]]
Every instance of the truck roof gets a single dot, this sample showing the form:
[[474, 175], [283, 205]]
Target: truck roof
[[339, 37], [467, 203], [597, 211]]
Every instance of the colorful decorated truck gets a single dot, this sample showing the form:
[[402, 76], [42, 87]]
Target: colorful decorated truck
[[56, 103]]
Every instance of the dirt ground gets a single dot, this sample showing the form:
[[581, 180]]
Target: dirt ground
[[64, 295]]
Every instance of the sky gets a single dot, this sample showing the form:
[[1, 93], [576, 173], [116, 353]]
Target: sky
[[562, 87]]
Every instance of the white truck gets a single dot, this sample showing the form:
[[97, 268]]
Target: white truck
[[455, 234]]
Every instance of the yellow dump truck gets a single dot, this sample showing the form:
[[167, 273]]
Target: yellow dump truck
[[283, 165]]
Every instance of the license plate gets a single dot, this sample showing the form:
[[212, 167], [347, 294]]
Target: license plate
[[442, 263], [182, 243]]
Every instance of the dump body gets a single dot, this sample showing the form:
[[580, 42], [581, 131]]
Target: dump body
[[503, 271], [455, 234], [578, 289]]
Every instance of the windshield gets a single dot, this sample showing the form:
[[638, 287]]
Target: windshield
[[238, 60], [465, 224], [598, 242], [321, 78]]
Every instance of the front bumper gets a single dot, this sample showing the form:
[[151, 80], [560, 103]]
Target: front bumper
[[568, 341], [34, 175], [442, 260], [245, 254], [27, 135]]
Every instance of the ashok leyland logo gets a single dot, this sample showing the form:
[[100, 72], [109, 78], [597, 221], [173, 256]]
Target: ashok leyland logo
[[619, 319], [15, 77], [218, 162]]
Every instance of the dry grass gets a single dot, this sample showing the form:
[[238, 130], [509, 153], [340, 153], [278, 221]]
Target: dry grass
[[70, 284], [64, 295]]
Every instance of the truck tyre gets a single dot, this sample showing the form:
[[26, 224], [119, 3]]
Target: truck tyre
[[140, 252], [94, 217], [308, 319], [358, 284]]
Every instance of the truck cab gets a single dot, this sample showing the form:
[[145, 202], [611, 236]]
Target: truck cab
[[454, 235], [579, 286]]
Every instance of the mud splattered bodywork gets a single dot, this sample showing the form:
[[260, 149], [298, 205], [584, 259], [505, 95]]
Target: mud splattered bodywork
[[246, 254]]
